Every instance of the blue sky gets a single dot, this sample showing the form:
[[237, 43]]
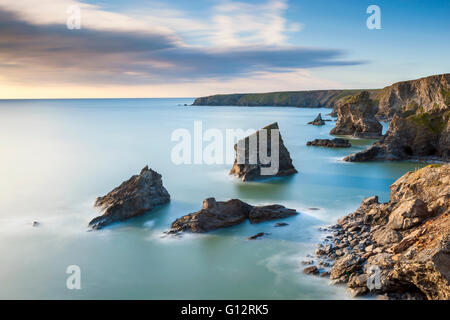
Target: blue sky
[[191, 48]]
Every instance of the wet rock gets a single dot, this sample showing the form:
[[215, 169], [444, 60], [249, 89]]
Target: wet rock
[[139, 194], [258, 235], [311, 270], [218, 214], [317, 121], [213, 215], [281, 224], [270, 212], [249, 166], [334, 143]]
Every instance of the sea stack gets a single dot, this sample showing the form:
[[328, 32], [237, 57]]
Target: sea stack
[[220, 214], [132, 198], [318, 121], [356, 117], [248, 165]]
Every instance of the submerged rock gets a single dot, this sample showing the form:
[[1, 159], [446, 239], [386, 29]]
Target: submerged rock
[[132, 198], [334, 143], [251, 167], [220, 214], [258, 235], [318, 121], [356, 117], [406, 241]]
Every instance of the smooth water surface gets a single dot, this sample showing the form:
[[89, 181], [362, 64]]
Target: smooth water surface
[[57, 156]]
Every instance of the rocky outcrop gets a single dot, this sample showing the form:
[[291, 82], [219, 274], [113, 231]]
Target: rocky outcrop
[[400, 248], [333, 143], [420, 135], [132, 198], [318, 121], [300, 99], [220, 214], [248, 164], [430, 93], [356, 117]]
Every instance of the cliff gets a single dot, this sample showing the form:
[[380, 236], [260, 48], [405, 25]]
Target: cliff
[[300, 99], [400, 248], [356, 117], [429, 93]]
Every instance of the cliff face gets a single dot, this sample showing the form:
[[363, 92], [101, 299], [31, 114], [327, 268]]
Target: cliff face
[[421, 135], [429, 93], [356, 117], [301, 99], [405, 241]]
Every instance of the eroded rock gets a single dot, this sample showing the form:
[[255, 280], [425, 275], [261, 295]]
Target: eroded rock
[[137, 195], [248, 164]]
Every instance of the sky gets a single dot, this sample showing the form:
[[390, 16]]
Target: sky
[[174, 48]]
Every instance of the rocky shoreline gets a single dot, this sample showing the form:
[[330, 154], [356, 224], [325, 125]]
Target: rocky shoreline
[[396, 250]]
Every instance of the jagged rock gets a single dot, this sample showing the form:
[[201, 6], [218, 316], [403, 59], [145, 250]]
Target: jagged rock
[[356, 117], [218, 214], [213, 215], [270, 212], [251, 166], [417, 136], [133, 197], [334, 143], [408, 214], [430, 93], [317, 121], [413, 261], [311, 270]]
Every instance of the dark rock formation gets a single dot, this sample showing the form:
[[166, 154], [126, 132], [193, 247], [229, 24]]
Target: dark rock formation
[[430, 93], [334, 143], [217, 214], [400, 248], [311, 270], [300, 99], [249, 169], [270, 212], [281, 224], [421, 135], [258, 235], [356, 117], [132, 198], [318, 121]]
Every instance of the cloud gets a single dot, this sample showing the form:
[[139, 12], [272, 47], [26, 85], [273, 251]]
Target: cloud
[[239, 23], [40, 49]]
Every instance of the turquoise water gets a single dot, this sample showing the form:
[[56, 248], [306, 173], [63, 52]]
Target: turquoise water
[[57, 156]]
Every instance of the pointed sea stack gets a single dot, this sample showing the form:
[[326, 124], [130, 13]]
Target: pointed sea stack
[[318, 121], [249, 170], [132, 198]]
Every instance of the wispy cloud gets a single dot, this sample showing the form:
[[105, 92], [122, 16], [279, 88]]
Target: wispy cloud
[[246, 40]]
